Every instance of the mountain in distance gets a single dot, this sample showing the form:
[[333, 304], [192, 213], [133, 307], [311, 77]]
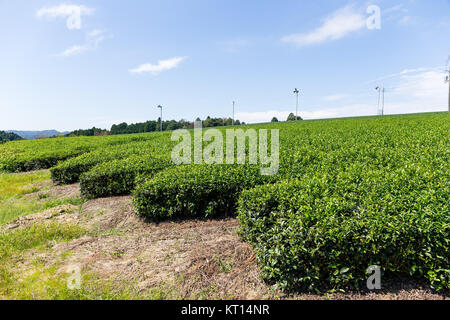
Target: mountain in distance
[[31, 135]]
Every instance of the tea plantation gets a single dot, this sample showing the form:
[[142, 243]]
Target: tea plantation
[[349, 194]]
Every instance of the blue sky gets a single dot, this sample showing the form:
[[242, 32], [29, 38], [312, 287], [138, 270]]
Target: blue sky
[[76, 64]]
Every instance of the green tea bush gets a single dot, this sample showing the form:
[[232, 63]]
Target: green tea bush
[[41, 161], [351, 193], [69, 171], [195, 191], [325, 230], [28, 155], [117, 177]]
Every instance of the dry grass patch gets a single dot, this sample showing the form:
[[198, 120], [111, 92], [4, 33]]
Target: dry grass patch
[[122, 256]]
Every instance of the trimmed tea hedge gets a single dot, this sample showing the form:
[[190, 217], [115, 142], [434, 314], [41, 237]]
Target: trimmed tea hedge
[[195, 191], [324, 231], [69, 171], [40, 160], [355, 192], [27, 155], [117, 177]]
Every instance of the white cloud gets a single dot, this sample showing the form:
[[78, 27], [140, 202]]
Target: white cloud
[[411, 91], [427, 86], [414, 90], [262, 116], [399, 14], [95, 33], [93, 40], [73, 13], [340, 24], [336, 97], [162, 65], [266, 116], [96, 36], [405, 72], [74, 50], [395, 9]]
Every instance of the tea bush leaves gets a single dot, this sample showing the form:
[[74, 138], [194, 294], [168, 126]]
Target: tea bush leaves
[[325, 231], [349, 193], [117, 177], [195, 191]]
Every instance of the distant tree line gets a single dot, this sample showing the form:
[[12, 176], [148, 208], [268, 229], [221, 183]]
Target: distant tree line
[[168, 125], [9, 136], [148, 126], [88, 132], [291, 117], [217, 122], [153, 126]]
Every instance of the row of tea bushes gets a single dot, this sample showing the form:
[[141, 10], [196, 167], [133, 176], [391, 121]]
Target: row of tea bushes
[[69, 171], [195, 191], [28, 155], [325, 230], [118, 177]]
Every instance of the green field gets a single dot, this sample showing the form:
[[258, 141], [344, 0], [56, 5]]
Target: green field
[[350, 193]]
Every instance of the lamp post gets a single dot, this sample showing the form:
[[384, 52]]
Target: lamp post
[[380, 94], [296, 92], [234, 102], [160, 107], [379, 99], [448, 81]]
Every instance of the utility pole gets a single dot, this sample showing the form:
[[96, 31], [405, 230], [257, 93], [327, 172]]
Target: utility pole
[[448, 80], [381, 91], [160, 118], [379, 99], [233, 112], [296, 92]]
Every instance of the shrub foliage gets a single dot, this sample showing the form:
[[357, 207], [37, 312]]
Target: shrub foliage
[[350, 193], [195, 191], [117, 177], [325, 231]]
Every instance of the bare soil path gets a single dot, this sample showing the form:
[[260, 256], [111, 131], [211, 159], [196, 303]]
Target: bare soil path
[[186, 260]]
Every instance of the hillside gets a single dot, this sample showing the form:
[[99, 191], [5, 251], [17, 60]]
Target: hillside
[[347, 194], [30, 135], [8, 136]]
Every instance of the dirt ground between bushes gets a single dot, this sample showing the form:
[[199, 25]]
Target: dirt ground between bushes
[[189, 260]]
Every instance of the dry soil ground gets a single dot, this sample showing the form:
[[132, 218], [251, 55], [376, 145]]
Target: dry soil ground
[[183, 260]]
